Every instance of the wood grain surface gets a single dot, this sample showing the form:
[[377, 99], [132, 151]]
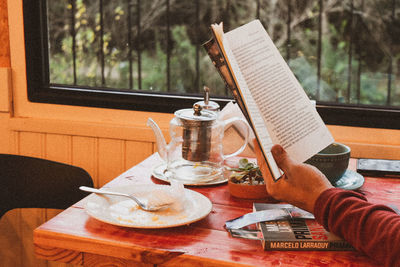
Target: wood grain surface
[[73, 236]]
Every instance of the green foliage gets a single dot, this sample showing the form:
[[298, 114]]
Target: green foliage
[[183, 61], [335, 73], [154, 75], [185, 45]]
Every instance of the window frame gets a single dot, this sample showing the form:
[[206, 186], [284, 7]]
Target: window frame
[[40, 91]]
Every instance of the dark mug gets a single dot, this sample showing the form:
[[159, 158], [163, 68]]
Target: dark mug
[[332, 161]]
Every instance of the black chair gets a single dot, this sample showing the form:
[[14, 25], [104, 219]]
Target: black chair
[[27, 182]]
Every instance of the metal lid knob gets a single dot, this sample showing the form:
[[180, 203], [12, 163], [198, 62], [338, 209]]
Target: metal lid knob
[[197, 109], [206, 95], [208, 104]]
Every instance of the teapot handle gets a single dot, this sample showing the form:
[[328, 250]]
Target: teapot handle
[[230, 122]]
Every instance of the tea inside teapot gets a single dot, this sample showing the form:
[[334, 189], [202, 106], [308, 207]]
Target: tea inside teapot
[[195, 152], [195, 138], [197, 128]]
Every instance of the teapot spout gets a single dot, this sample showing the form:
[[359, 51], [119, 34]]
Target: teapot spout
[[161, 143]]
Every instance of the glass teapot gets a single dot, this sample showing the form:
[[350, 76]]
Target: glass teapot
[[195, 152]]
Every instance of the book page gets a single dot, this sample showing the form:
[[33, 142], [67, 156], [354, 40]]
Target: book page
[[279, 109]]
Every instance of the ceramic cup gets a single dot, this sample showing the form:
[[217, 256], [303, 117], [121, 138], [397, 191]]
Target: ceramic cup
[[332, 161]]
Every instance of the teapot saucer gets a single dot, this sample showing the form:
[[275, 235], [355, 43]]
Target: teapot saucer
[[160, 172]]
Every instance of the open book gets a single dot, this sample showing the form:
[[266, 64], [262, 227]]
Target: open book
[[267, 92]]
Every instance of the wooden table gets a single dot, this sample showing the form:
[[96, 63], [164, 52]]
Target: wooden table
[[74, 237]]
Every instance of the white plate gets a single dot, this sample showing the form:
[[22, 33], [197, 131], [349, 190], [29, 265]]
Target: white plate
[[123, 211], [160, 172]]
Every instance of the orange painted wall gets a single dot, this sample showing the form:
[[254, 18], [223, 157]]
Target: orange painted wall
[[4, 36]]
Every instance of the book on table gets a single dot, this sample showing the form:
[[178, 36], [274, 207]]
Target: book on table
[[267, 92], [296, 232]]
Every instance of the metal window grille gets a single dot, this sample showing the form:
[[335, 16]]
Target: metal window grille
[[347, 109], [134, 6]]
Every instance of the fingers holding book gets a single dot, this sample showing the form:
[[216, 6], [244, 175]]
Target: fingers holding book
[[301, 184]]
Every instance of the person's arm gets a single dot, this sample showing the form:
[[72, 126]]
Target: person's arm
[[370, 228]]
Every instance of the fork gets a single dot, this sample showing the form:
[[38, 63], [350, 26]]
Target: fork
[[140, 203]]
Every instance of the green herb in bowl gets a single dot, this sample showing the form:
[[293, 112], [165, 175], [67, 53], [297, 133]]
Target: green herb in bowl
[[247, 173]]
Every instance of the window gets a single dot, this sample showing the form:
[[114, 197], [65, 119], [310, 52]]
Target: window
[[147, 55]]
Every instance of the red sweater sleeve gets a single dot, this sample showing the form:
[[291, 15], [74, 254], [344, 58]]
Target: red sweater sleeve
[[372, 229]]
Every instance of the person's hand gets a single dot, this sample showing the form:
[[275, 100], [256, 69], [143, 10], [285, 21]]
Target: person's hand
[[300, 185]]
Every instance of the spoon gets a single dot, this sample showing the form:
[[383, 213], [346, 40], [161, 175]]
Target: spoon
[[140, 203]]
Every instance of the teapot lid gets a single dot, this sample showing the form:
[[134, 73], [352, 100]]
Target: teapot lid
[[197, 113], [210, 105], [207, 103]]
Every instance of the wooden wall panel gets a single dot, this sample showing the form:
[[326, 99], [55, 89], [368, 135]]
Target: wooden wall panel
[[136, 152], [58, 148], [4, 35], [5, 90], [84, 155], [111, 163], [31, 144], [5, 135]]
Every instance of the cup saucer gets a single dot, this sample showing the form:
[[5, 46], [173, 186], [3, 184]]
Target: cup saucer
[[350, 180]]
